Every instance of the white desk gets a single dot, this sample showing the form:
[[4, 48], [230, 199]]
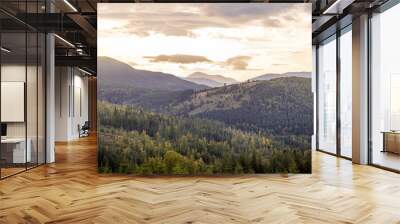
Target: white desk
[[19, 153], [391, 141]]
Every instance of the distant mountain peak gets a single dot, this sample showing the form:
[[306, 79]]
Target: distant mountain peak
[[107, 58], [270, 76], [113, 72], [216, 78], [194, 74]]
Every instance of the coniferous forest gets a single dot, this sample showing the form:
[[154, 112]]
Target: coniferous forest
[[142, 142], [250, 127]]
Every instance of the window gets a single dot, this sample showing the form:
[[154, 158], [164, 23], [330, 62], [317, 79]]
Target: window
[[327, 96], [394, 101], [346, 92], [385, 89]]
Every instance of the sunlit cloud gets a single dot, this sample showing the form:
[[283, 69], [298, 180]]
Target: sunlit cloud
[[178, 58], [238, 62], [240, 41]]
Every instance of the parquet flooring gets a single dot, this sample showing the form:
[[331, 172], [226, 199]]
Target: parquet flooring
[[11, 170], [71, 191]]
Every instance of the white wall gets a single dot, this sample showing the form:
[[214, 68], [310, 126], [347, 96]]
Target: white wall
[[71, 94], [12, 73], [79, 115], [13, 101], [62, 82], [15, 73], [33, 126]]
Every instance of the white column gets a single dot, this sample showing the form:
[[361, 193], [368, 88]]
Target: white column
[[50, 92], [50, 98], [360, 89], [314, 91]]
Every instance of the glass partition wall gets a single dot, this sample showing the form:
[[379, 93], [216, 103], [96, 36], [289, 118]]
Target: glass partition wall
[[13, 89], [22, 98], [385, 89], [334, 83]]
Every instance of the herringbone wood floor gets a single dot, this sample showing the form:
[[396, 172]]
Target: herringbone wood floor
[[71, 191]]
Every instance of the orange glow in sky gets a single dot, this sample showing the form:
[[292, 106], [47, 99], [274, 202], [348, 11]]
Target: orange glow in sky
[[240, 41]]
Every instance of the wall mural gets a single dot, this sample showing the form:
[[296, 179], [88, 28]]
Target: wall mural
[[203, 89]]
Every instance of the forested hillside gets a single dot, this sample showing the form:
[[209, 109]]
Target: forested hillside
[[138, 141], [155, 100], [281, 106]]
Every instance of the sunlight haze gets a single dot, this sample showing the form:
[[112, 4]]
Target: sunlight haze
[[239, 41]]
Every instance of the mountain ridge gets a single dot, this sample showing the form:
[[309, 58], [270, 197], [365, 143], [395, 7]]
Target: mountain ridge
[[112, 72], [216, 78], [207, 82], [281, 104], [270, 76]]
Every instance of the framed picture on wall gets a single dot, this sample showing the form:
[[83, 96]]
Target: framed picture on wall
[[204, 89]]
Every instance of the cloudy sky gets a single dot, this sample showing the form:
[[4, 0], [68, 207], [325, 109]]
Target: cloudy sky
[[235, 40]]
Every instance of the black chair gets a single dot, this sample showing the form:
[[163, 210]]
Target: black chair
[[84, 130]]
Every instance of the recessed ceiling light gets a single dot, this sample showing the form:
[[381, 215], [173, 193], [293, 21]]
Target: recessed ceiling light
[[337, 7], [86, 72], [5, 50], [64, 40], [70, 5]]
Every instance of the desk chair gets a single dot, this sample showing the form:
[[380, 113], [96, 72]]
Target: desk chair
[[84, 130]]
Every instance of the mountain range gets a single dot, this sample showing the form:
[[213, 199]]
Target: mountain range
[[210, 80], [270, 76], [277, 104], [112, 72], [116, 73]]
